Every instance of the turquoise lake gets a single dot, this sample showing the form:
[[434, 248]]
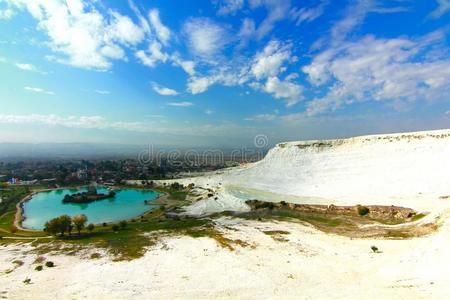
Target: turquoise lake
[[126, 204]]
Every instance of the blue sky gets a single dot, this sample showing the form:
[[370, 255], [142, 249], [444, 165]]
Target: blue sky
[[219, 72]]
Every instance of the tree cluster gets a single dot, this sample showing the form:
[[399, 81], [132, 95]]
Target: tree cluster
[[65, 224]]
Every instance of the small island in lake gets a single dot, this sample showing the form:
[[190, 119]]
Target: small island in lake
[[87, 197]]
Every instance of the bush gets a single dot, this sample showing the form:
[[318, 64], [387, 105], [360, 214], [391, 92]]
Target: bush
[[115, 227], [123, 224], [374, 249], [13, 229], [49, 264], [90, 227], [39, 268], [104, 224], [362, 210]]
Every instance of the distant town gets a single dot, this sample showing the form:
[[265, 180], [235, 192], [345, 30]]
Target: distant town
[[54, 173]]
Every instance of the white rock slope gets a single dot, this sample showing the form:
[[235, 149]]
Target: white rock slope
[[409, 169]]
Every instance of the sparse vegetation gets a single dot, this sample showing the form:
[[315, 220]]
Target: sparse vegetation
[[39, 268]]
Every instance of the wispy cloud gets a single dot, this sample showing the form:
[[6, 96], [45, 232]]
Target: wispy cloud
[[181, 104], [102, 92], [442, 8], [38, 90], [228, 6], [262, 117], [276, 11], [308, 14], [355, 14], [164, 91]]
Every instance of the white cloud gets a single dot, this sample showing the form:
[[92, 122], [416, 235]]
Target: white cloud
[[102, 92], [187, 65], [123, 30], [162, 32], [79, 32], [262, 118], [26, 67], [270, 60], [209, 112], [205, 37], [381, 70], [6, 14], [308, 14], [29, 67], [228, 6], [38, 90], [442, 8], [163, 90], [198, 85], [287, 90], [181, 104], [153, 55]]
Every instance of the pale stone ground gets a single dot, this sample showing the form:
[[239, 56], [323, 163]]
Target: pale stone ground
[[308, 265], [410, 170]]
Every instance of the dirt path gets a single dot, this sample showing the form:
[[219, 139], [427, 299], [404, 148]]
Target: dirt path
[[18, 218]]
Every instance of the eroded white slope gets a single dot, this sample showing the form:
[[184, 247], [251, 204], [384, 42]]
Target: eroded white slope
[[369, 167], [407, 169]]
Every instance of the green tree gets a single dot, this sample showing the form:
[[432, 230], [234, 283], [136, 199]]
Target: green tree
[[52, 226], [80, 222], [65, 224], [59, 224]]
